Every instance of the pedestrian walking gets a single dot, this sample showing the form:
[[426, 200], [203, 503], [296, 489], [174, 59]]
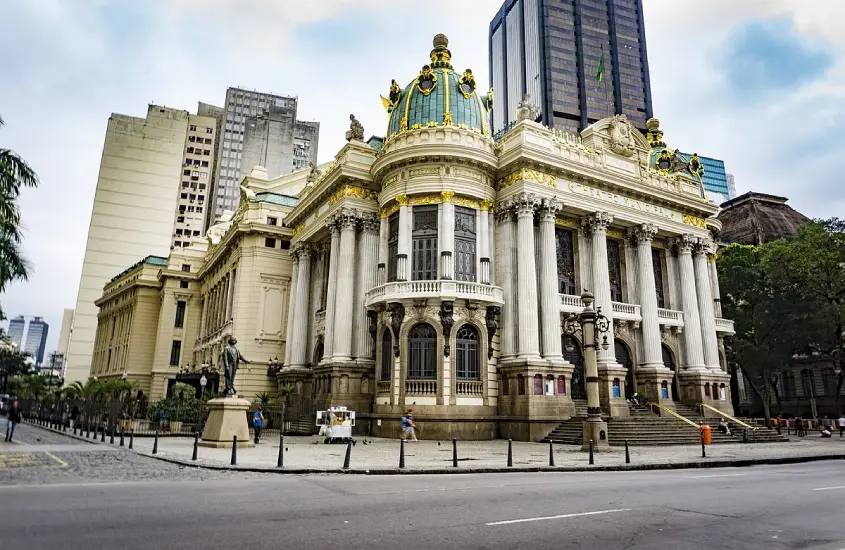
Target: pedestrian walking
[[74, 414], [799, 427], [257, 423], [13, 418], [409, 431], [841, 425]]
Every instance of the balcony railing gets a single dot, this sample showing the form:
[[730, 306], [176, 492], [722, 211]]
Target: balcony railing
[[383, 388], [469, 387], [571, 304], [421, 387], [626, 312], [670, 317], [399, 290], [725, 325]]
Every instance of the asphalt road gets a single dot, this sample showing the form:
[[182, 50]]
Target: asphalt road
[[772, 507]]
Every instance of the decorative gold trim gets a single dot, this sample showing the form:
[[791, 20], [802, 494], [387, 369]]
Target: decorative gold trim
[[485, 205], [402, 200], [528, 174], [447, 114], [485, 129], [467, 203], [446, 196], [616, 234], [352, 191], [388, 211], [298, 229], [425, 199], [695, 221], [433, 75], [403, 126], [566, 222]]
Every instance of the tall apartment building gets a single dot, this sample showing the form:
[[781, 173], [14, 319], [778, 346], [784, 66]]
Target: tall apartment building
[[271, 142], [551, 49], [133, 213], [64, 332], [36, 339], [219, 116], [731, 186], [17, 327], [715, 179], [197, 171]]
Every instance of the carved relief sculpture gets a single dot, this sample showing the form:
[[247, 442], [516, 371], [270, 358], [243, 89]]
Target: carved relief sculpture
[[372, 317], [447, 320], [492, 327], [397, 315], [621, 139]]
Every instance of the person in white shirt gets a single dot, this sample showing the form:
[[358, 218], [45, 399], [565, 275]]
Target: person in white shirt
[[841, 425]]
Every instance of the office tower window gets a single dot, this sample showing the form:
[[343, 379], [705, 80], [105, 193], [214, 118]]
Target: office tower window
[[175, 353]]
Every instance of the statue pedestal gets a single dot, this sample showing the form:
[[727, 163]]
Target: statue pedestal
[[226, 419]]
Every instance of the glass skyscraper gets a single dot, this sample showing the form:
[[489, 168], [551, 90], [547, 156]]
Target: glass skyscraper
[[30, 337], [551, 49]]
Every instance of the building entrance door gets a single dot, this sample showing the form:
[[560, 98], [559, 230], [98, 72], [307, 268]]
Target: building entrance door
[[669, 363], [623, 357], [572, 353]]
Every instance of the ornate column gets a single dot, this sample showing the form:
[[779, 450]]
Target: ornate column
[[528, 340], [368, 243], [549, 297], [693, 350], [642, 235], [403, 247], [596, 226], [705, 305], [299, 335], [504, 215], [714, 285], [484, 241], [384, 229], [342, 350], [331, 290], [447, 243]]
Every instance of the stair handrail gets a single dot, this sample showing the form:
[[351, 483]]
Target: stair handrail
[[670, 412], [724, 415]]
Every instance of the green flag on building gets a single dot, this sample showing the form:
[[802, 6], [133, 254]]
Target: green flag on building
[[600, 72]]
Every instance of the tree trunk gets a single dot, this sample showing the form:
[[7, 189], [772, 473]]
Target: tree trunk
[[764, 398]]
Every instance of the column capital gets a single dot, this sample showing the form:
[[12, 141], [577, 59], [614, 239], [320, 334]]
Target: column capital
[[548, 209], [447, 196], [705, 247], [303, 250], [524, 204], [596, 222], [346, 218], [504, 212], [684, 243], [402, 200], [643, 233], [370, 222]]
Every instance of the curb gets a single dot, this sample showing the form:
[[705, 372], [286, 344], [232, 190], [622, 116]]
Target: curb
[[729, 463]]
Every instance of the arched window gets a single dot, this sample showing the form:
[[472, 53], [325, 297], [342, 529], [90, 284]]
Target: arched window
[[617, 388], [392, 245], [422, 360], [614, 269], [424, 244], [538, 384], [722, 392], [565, 261], [506, 390], [664, 390], [468, 364], [386, 355], [668, 359], [829, 381], [707, 390], [520, 384], [561, 385], [464, 244], [550, 385], [318, 353]]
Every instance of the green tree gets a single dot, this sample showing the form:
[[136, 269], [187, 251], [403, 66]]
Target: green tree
[[15, 174]]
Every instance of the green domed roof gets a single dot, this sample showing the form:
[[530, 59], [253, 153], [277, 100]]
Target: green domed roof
[[438, 97]]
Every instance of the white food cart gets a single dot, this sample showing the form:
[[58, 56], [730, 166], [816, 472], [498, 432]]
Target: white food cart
[[336, 424]]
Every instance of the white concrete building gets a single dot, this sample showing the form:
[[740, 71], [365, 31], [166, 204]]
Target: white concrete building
[[195, 186], [133, 213]]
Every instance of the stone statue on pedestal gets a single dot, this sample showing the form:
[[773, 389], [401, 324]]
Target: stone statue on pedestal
[[231, 358], [356, 130]]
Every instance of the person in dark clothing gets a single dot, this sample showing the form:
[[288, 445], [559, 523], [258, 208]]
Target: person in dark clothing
[[13, 419]]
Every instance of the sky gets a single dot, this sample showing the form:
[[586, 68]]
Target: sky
[[757, 83]]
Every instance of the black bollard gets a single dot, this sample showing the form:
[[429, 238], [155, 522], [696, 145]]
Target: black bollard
[[234, 461], [551, 453], [131, 437], [454, 453], [280, 462], [627, 454], [121, 437], [510, 453], [111, 437], [348, 456], [196, 445], [88, 431], [401, 452], [103, 435], [155, 442], [74, 428], [591, 453], [703, 452]]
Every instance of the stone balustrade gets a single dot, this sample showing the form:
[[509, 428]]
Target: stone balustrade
[[421, 387], [725, 326], [446, 290], [469, 387]]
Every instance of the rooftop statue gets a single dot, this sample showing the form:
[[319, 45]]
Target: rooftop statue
[[356, 130], [526, 110]]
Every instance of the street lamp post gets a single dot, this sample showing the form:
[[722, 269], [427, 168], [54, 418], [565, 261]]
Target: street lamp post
[[203, 382], [592, 325], [273, 366]]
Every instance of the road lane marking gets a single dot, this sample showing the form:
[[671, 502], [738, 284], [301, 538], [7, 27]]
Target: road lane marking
[[715, 475], [829, 488], [61, 462], [562, 516]]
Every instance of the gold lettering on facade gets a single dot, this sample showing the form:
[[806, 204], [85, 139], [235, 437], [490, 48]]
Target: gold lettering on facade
[[621, 200], [298, 229], [423, 172], [695, 221]]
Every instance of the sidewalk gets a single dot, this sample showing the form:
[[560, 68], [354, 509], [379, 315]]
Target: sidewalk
[[381, 456]]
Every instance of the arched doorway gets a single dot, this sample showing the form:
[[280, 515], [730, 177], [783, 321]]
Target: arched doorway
[[669, 363], [318, 352], [623, 357], [572, 353]]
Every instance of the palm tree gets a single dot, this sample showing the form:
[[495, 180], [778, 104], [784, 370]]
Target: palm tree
[[285, 393], [15, 173]]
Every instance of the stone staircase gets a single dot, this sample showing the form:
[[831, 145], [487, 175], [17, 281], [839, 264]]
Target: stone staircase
[[643, 428]]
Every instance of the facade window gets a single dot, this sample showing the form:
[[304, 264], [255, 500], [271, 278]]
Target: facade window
[[520, 384], [467, 350], [175, 352], [465, 234], [189, 150], [789, 384], [193, 127], [180, 314], [183, 284], [272, 221], [424, 244], [422, 361], [207, 140], [270, 243], [565, 261], [506, 390], [707, 390], [561, 385], [284, 244], [614, 267], [829, 381], [386, 356], [392, 245], [209, 130], [186, 267], [538, 384], [186, 172], [657, 265]]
